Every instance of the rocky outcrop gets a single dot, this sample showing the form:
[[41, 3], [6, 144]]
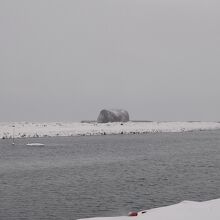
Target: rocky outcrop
[[114, 115]]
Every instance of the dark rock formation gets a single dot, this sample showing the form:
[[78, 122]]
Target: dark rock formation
[[115, 115]]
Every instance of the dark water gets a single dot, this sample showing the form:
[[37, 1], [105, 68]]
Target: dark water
[[81, 177]]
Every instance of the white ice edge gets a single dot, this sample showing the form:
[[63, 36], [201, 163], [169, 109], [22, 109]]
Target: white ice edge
[[35, 144], [186, 210], [29, 129]]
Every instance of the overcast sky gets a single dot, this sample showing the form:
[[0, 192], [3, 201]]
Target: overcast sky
[[66, 60]]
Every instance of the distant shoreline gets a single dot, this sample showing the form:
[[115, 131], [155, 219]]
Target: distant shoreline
[[65, 129]]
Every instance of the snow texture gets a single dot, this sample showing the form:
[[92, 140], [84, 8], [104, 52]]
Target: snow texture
[[114, 115], [29, 129], [186, 210]]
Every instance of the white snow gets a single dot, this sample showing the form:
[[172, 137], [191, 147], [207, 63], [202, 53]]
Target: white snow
[[35, 144], [186, 210], [29, 129]]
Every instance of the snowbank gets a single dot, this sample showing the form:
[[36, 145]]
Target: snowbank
[[186, 210], [28, 129]]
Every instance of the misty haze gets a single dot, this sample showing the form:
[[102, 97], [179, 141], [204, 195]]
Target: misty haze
[[109, 109]]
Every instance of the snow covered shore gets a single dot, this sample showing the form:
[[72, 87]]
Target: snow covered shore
[[186, 210], [28, 129]]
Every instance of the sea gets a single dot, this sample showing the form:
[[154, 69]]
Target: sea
[[110, 175]]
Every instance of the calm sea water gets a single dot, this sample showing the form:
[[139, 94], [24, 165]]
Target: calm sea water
[[80, 177]]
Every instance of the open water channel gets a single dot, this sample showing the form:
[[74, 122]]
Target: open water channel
[[79, 177]]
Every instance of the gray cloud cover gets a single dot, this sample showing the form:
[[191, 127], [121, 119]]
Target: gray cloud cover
[[66, 60]]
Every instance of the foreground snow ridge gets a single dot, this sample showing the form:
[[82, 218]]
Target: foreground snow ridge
[[186, 210], [29, 129]]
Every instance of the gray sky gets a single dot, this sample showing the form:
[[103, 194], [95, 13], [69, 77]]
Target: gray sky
[[66, 60]]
